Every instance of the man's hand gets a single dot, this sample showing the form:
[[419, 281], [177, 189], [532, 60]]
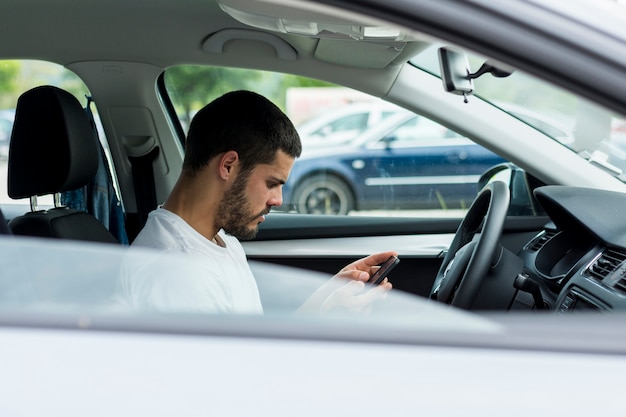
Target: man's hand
[[364, 268], [346, 290]]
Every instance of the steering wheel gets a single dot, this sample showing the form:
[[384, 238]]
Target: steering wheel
[[474, 249]]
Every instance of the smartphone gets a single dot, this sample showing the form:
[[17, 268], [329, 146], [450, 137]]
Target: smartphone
[[384, 269]]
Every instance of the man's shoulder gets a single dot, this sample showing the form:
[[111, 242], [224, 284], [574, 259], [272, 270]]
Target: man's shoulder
[[160, 231]]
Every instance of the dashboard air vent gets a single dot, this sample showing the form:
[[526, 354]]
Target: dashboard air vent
[[606, 263], [541, 240], [620, 285]]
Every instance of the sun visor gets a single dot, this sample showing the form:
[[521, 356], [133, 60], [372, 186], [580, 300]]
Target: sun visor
[[358, 54]]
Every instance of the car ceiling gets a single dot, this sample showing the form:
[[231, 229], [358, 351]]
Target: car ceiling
[[161, 42], [109, 31]]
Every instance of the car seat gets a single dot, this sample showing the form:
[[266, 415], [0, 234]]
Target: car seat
[[4, 225], [52, 151]]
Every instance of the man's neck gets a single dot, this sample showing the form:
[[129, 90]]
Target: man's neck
[[197, 213]]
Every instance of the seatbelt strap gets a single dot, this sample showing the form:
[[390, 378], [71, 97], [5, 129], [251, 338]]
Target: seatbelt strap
[[143, 180]]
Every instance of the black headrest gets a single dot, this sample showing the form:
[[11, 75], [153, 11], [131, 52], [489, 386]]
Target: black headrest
[[53, 148]]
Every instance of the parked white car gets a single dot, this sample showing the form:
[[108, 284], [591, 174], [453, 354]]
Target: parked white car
[[339, 125]]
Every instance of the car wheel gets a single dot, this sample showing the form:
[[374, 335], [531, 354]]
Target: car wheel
[[323, 194]]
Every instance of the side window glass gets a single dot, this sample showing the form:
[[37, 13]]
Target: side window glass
[[6, 123], [361, 155]]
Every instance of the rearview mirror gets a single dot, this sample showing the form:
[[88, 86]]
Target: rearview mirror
[[455, 71], [457, 76]]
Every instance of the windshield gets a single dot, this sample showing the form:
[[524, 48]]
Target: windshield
[[591, 131]]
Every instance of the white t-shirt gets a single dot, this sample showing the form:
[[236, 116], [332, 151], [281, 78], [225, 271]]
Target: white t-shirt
[[218, 280]]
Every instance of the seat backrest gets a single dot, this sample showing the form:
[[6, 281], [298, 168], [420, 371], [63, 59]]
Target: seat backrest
[[52, 151], [4, 226]]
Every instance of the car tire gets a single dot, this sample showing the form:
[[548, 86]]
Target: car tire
[[323, 194]]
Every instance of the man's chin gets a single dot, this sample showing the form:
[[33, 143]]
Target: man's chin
[[244, 234]]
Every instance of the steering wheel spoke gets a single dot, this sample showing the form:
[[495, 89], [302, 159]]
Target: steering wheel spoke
[[473, 249]]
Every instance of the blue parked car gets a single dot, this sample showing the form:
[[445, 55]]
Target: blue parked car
[[406, 162]]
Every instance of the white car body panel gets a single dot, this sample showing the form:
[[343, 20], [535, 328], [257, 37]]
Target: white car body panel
[[120, 374]]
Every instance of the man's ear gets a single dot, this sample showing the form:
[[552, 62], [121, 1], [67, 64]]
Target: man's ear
[[228, 162]]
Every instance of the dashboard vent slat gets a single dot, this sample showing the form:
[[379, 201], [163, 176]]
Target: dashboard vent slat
[[541, 240], [606, 263], [621, 285]]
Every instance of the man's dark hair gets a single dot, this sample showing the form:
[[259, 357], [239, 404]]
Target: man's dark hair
[[244, 122]]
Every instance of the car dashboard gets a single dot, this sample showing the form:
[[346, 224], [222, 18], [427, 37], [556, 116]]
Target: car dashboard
[[579, 259]]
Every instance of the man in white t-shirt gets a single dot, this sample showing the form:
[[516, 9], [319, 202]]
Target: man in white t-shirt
[[239, 152]]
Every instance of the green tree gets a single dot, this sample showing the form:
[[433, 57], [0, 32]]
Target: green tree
[[191, 87], [17, 77], [9, 73], [297, 81]]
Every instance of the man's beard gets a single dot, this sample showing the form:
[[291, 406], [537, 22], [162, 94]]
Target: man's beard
[[234, 212]]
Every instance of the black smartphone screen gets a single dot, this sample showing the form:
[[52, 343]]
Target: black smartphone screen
[[384, 269]]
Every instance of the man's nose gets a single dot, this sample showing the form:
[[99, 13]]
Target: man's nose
[[276, 198]]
